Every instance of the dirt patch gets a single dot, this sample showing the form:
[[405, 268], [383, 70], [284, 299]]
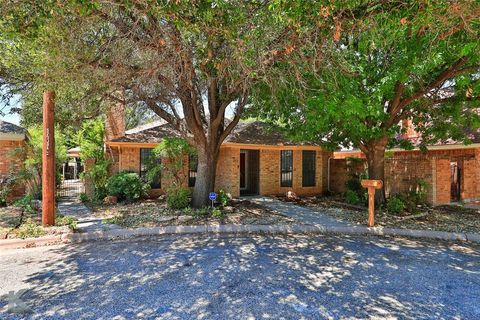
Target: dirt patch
[[451, 218], [16, 222], [153, 213]]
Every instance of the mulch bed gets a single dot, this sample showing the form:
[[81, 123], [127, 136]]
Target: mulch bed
[[16, 223], [451, 218], [153, 213]]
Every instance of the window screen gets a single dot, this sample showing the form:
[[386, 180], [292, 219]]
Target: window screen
[[308, 168], [286, 168], [192, 169], [145, 154]]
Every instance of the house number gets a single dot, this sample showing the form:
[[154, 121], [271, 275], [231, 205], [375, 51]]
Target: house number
[[47, 138]]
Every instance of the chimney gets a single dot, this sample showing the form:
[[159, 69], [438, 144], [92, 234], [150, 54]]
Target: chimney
[[115, 122], [410, 129]]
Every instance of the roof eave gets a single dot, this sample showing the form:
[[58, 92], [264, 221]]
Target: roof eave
[[12, 136]]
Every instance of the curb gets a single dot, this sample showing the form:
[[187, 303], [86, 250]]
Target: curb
[[232, 229], [30, 242]]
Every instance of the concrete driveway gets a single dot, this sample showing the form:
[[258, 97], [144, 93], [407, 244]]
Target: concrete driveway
[[254, 277]]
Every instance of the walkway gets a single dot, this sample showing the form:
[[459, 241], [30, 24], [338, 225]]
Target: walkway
[[87, 221], [299, 213]]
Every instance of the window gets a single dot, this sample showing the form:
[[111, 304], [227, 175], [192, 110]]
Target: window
[[308, 168], [286, 168], [192, 169], [145, 157]]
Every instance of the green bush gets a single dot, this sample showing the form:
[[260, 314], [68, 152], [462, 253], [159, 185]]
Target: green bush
[[223, 197], [30, 229], [352, 197], [178, 198], [217, 213], [127, 186], [25, 203], [83, 197], [202, 212], [69, 221], [395, 205]]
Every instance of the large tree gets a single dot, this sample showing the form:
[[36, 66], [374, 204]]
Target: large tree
[[190, 62], [417, 60]]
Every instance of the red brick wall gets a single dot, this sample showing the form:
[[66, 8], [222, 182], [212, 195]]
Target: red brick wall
[[11, 164], [442, 183], [228, 170], [404, 169]]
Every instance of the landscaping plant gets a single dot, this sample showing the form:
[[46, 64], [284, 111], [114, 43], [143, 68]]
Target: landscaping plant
[[395, 205], [127, 186], [178, 197]]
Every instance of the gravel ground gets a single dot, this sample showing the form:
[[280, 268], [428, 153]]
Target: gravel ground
[[255, 277]]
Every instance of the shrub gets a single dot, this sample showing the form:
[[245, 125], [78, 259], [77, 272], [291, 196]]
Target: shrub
[[202, 212], [83, 197], [223, 197], [6, 185], [217, 213], [30, 229], [127, 185], [352, 197], [178, 198], [395, 205], [25, 203], [69, 221]]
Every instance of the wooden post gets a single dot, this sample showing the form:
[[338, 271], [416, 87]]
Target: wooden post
[[371, 185], [48, 160]]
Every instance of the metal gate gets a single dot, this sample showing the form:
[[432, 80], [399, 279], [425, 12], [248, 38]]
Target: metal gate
[[71, 184]]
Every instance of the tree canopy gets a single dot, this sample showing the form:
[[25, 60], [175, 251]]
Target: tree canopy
[[189, 62], [411, 60]]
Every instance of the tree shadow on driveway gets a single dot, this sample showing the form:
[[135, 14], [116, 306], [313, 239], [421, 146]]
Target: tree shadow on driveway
[[258, 277]]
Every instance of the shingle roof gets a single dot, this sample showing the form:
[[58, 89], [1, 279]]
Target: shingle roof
[[261, 133], [150, 133], [10, 128], [244, 133]]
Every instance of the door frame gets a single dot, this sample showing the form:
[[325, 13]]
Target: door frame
[[250, 178]]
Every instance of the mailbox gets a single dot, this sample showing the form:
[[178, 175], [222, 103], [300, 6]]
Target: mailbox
[[376, 184], [371, 185]]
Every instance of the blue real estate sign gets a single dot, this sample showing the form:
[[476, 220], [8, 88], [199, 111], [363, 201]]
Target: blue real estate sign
[[212, 196]]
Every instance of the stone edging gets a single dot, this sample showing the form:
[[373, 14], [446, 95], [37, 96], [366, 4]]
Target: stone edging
[[234, 228]]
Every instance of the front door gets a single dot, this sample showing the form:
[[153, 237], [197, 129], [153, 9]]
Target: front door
[[249, 172], [455, 179]]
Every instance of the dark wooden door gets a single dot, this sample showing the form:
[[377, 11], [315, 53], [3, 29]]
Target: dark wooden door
[[455, 178], [253, 171]]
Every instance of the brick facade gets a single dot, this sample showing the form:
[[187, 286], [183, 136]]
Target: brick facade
[[11, 162], [405, 168], [228, 168]]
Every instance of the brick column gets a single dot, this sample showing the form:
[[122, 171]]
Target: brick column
[[443, 183]]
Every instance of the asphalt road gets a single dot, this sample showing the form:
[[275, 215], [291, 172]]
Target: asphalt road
[[254, 277]]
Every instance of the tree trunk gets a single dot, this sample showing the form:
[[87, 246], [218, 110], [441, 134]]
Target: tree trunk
[[376, 166], [205, 181]]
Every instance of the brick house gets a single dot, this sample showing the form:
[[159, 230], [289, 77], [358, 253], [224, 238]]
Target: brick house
[[253, 160], [450, 168], [12, 138]]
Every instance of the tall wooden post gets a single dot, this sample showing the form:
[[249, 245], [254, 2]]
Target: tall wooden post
[[48, 159]]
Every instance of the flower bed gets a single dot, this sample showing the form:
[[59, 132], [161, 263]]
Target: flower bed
[[152, 213], [451, 218]]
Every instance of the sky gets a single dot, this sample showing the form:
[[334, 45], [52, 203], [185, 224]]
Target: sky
[[5, 114], [13, 118]]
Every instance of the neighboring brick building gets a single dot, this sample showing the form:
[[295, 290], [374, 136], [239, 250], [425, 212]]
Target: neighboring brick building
[[252, 160], [12, 138], [452, 170]]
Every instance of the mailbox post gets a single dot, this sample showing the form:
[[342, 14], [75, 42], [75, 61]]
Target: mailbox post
[[371, 185]]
